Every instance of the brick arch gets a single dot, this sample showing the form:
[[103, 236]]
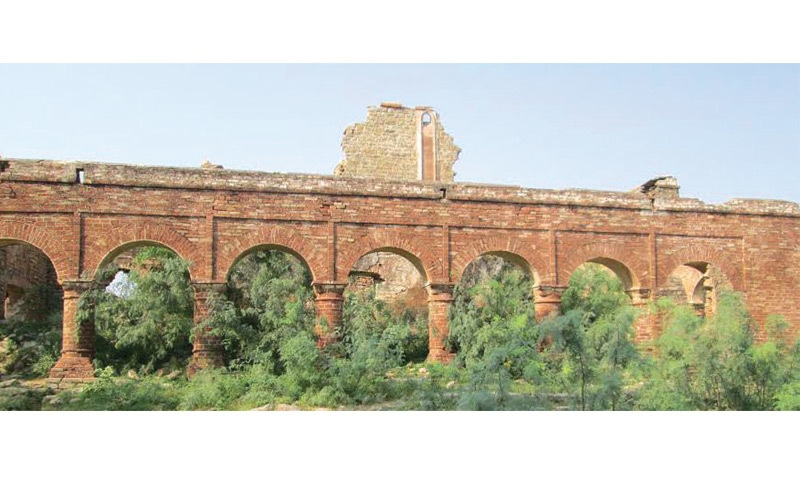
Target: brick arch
[[105, 248], [697, 255], [618, 257], [430, 267], [533, 262], [47, 242], [279, 238]]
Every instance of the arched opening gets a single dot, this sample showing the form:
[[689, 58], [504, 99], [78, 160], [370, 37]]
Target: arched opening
[[598, 287], [386, 295], [427, 150], [698, 284], [30, 311], [268, 301], [492, 303], [141, 305]]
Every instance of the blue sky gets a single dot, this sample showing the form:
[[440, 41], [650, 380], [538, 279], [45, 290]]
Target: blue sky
[[725, 131]]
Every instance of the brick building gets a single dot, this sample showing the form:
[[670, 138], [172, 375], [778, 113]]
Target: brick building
[[82, 215]]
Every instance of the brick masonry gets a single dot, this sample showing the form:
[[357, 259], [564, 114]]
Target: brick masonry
[[80, 215], [398, 143]]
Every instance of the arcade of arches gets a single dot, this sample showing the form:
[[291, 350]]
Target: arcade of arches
[[80, 216]]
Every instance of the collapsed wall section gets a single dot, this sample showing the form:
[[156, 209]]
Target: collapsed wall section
[[399, 143]]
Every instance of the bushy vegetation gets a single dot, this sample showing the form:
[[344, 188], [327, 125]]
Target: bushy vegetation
[[584, 358], [266, 325], [30, 340], [715, 363], [575, 360], [149, 326]]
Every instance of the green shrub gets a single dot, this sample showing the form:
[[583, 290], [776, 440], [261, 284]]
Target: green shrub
[[30, 340], [151, 327], [715, 364], [114, 393]]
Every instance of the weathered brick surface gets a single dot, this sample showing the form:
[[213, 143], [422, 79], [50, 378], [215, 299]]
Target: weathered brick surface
[[21, 266], [213, 217], [77, 341], [392, 143], [206, 349]]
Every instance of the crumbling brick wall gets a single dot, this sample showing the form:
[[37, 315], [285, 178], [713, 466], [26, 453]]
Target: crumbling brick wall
[[21, 266], [394, 143]]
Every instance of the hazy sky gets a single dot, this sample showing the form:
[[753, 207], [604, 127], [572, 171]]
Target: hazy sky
[[725, 131]]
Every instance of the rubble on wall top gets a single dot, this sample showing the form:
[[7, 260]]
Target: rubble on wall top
[[391, 105], [236, 180], [665, 186]]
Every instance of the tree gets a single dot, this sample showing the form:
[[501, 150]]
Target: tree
[[716, 364], [590, 346], [151, 327]]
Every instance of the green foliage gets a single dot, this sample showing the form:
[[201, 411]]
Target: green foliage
[[150, 328], [505, 360], [496, 313], [30, 340], [112, 393], [247, 388], [715, 363], [590, 347], [585, 353], [267, 322], [496, 337], [437, 390], [269, 301]]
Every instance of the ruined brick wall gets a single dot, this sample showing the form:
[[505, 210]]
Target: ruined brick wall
[[398, 279], [212, 218], [391, 143], [24, 266], [21, 267]]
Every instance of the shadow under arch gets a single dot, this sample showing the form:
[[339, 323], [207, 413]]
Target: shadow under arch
[[37, 281], [12, 233], [510, 257], [698, 284], [623, 273], [701, 257], [266, 247], [141, 234], [275, 237], [135, 244], [413, 259]]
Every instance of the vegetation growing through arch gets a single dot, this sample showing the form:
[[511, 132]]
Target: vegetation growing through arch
[[581, 359], [149, 327], [30, 324]]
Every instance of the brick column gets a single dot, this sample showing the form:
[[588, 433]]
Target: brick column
[[206, 348], [647, 326], [440, 296], [77, 346], [328, 300], [547, 300]]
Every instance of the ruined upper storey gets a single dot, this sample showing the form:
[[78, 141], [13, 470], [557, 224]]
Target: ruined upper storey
[[658, 194], [399, 143]]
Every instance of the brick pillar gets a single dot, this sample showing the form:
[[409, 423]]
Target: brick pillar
[[647, 326], [206, 348], [547, 300], [328, 300], [440, 296], [77, 350]]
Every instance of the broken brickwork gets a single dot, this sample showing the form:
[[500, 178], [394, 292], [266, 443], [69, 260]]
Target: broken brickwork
[[399, 143], [81, 215]]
